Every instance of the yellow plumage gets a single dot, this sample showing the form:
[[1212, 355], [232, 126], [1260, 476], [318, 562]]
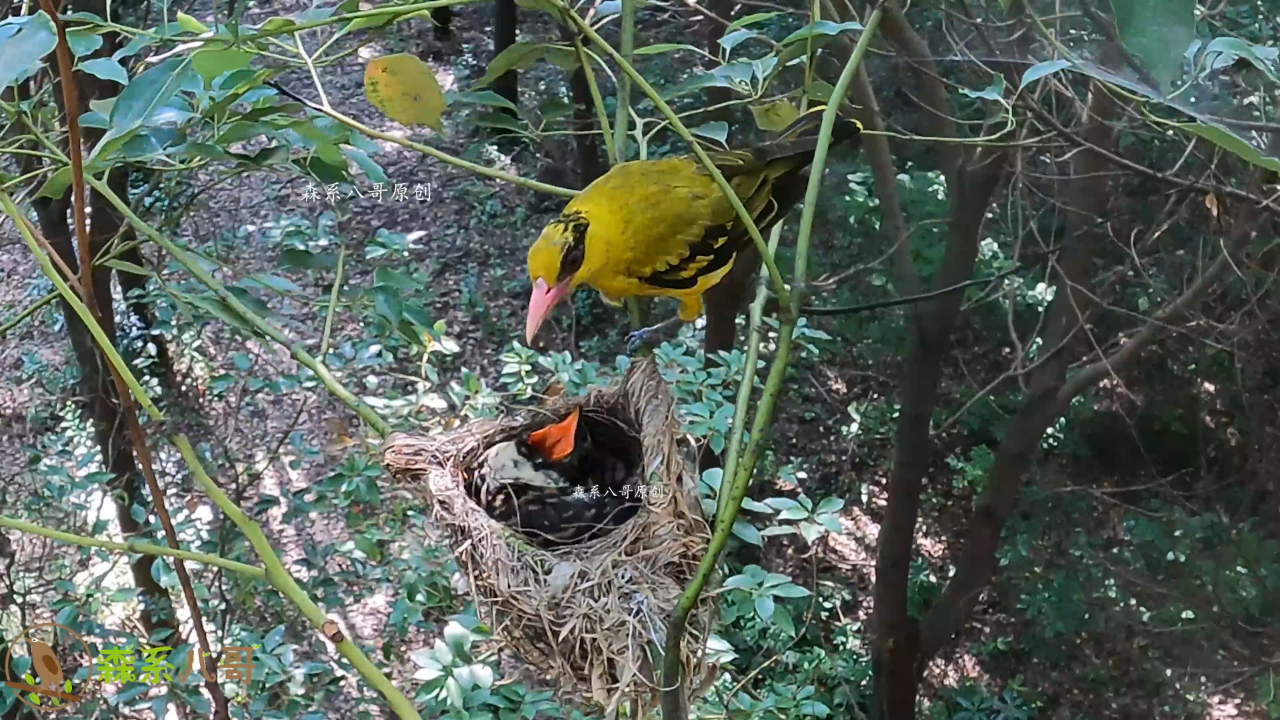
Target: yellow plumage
[[664, 228]]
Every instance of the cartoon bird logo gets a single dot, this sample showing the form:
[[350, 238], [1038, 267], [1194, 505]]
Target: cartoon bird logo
[[53, 688], [46, 664]]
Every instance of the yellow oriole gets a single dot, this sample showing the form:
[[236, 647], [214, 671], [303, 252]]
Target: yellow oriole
[[664, 227]]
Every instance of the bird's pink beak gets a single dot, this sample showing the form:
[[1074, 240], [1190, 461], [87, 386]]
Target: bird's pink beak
[[540, 304]]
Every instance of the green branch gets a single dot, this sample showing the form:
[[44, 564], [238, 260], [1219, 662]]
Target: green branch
[[428, 150], [302, 356], [673, 701], [747, 383], [31, 310], [333, 303], [132, 546], [626, 48], [601, 116], [77, 305], [273, 570], [283, 582], [779, 287]]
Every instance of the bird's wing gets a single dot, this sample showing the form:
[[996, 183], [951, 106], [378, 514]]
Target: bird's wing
[[710, 244]]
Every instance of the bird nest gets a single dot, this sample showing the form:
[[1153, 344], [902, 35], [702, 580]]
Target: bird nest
[[592, 615]]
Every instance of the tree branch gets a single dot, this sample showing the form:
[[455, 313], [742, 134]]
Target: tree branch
[[133, 546]]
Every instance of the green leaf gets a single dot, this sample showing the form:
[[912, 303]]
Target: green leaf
[[458, 639], [522, 55], [453, 691], [781, 503], [793, 513], [83, 41], [735, 38], [239, 131], [136, 44], [209, 64], [791, 591], [499, 120], [783, 620], [403, 87], [747, 532], [717, 130], [1228, 140], [23, 42], [56, 185], [299, 258], [822, 27], [994, 91], [371, 169], [539, 5], [1224, 51], [276, 24], [811, 531], [1158, 33], [814, 708], [740, 582], [129, 267], [774, 116], [778, 530], [139, 100], [751, 19], [387, 303], [756, 506], [764, 607], [219, 309], [482, 97], [664, 47], [190, 24], [107, 69], [393, 278], [365, 23], [1039, 70], [829, 505], [275, 282], [94, 119]]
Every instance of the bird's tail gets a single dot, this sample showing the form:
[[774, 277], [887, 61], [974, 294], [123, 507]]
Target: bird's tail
[[808, 124], [796, 144]]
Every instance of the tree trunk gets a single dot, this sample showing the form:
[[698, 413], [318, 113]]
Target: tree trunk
[[103, 410], [505, 18], [722, 304], [107, 223], [895, 634], [586, 139], [442, 23], [711, 43]]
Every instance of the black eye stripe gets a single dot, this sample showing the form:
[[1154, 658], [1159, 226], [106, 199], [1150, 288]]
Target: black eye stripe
[[575, 250]]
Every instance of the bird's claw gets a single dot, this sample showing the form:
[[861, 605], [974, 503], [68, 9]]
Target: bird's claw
[[640, 338]]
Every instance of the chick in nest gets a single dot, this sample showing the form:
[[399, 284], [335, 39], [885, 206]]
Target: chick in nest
[[555, 486]]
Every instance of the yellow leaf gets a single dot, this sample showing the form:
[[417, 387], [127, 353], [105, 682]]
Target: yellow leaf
[[775, 115], [405, 90], [191, 25]]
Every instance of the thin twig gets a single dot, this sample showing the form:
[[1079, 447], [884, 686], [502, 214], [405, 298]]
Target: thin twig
[[425, 149], [133, 546]]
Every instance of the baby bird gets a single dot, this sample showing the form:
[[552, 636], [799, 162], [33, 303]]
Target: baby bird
[[540, 485]]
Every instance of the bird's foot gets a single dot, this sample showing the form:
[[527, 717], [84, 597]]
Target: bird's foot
[[645, 337]]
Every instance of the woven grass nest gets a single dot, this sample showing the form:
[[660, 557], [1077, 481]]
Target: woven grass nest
[[591, 616]]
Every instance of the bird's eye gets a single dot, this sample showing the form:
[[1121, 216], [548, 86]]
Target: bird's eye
[[574, 252]]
